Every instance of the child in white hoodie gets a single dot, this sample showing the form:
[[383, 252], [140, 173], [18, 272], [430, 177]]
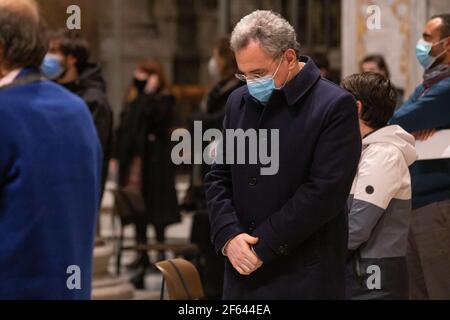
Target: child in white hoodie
[[380, 200]]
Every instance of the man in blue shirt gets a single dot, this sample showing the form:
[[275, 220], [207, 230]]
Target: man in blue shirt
[[50, 169], [428, 110]]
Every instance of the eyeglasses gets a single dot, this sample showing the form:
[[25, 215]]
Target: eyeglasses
[[256, 77], [244, 78]]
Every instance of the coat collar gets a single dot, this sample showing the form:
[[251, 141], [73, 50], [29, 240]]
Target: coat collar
[[299, 85], [9, 78], [27, 71]]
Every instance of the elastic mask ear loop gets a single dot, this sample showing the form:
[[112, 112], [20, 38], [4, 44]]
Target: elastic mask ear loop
[[287, 78]]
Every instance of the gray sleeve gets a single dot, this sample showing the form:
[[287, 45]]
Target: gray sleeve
[[363, 218]]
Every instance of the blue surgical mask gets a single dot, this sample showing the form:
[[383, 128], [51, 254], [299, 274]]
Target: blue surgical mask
[[52, 67], [262, 88], [423, 49]]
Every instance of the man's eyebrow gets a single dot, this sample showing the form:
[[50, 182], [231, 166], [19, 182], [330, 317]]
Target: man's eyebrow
[[426, 35], [258, 71]]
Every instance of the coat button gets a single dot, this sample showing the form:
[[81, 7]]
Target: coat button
[[252, 181], [252, 227]]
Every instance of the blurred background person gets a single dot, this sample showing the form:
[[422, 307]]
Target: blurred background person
[[67, 63], [146, 171], [222, 68], [380, 200], [50, 170], [376, 63], [323, 63], [428, 110]]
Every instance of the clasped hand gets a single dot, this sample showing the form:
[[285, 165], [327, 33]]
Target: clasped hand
[[241, 255]]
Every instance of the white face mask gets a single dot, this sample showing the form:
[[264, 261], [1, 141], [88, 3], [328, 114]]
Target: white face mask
[[213, 68]]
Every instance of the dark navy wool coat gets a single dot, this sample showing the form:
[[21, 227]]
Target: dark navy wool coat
[[299, 214]]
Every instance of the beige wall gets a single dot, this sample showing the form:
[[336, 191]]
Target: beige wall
[[402, 22]]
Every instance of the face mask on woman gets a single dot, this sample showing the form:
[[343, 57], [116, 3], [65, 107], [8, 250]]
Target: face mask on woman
[[139, 84], [213, 68]]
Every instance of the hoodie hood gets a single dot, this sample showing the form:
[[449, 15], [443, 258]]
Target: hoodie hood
[[90, 77], [397, 137]]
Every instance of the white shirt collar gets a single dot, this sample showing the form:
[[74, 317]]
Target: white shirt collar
[[9, 78]]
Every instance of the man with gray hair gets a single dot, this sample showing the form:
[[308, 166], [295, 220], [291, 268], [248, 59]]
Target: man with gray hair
[[284, 235]]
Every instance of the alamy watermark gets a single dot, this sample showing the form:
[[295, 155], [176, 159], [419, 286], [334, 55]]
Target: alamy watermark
[[373, 282], [73, 22], [73, 281], [240, 147], [373, 21]]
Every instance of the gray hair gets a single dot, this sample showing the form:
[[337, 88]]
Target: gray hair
[[274, 33]]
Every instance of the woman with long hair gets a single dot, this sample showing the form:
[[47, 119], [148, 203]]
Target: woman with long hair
[[145, 168]]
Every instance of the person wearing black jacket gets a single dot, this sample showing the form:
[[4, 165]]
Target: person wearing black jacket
[[222, 69], [146, 171], [67, 64]]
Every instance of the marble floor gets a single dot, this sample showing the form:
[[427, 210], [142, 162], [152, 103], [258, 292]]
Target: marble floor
[[109, 228]]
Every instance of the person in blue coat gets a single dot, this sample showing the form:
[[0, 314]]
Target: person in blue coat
[[283, 230], [50, 171], [424, 113]]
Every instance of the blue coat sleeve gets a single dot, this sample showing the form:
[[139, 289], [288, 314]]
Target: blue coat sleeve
[[428, 111], [325, 195], [224, 221], [6, 155]]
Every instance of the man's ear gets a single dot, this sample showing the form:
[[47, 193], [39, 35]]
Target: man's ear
[[291, 58], [72, 61], [359, 106], [447, 44]]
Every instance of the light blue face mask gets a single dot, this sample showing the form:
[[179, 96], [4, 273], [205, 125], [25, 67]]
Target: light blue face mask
[[423, 49], [52, 67], [262, 88]]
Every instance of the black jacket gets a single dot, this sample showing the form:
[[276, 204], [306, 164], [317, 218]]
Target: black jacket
[[144, 132], [216, 103], [299, 214], [91, 87]]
